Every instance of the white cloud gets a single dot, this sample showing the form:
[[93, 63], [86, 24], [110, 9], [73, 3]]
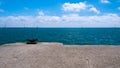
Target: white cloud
[[108, 20], [105, 1], [1, 10], [74, 7], [77, 7], [94, 10], [71, 20], [41, 13]]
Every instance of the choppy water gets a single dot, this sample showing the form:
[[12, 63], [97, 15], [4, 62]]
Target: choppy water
[[79, 36]]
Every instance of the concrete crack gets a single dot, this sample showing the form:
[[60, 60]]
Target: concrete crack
[[88, 62]]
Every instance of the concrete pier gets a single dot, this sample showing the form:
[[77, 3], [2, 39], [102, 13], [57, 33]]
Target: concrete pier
[[57, 55]]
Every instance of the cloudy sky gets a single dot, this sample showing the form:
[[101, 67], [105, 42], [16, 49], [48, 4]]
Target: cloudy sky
[[59, 13]]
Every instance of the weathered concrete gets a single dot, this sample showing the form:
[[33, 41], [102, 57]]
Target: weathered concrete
[[55, 55]]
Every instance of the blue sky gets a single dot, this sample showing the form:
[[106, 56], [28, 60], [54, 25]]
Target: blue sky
[[59, 13]]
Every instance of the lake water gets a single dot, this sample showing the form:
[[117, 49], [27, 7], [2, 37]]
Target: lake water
[[78, 36]]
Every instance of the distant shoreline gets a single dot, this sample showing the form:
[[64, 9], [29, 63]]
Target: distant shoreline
[[65, 27]]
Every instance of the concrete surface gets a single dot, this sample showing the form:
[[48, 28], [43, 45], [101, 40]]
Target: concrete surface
[[56, 55]]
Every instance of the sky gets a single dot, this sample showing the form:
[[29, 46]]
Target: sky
[[60, 13]]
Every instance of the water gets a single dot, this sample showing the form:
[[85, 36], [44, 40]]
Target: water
[[78, 36]]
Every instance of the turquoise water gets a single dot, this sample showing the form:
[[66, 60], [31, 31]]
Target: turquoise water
[[78, 36]]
